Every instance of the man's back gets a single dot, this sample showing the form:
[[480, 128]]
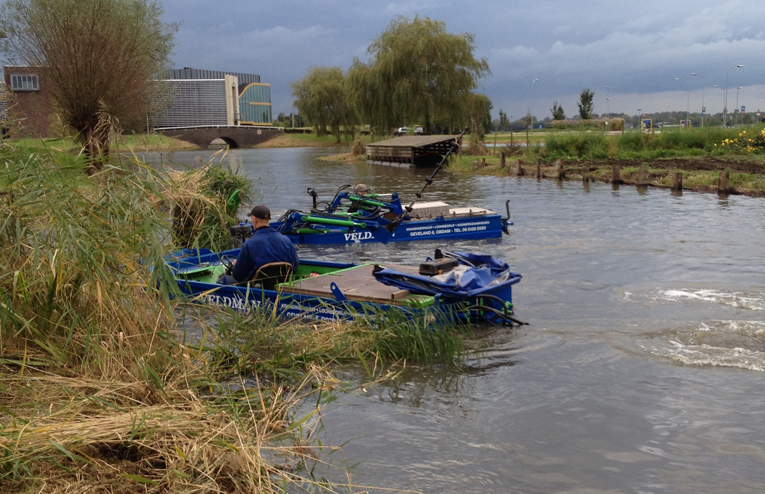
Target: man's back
[[265, 246]]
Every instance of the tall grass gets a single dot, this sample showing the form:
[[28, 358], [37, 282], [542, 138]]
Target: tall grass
[[97, 392], [75, 260], [260, 343], [100, 391], [636, 145]]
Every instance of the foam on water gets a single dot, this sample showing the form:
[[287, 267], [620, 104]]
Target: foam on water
[[751, 301], [738, 344]]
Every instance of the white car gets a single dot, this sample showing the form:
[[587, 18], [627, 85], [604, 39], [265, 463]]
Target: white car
[[401, 131]]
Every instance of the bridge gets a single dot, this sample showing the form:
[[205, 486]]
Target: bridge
[[237, 136]]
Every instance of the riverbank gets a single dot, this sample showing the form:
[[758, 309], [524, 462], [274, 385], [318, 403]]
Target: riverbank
[[745, 176], [142, 143]]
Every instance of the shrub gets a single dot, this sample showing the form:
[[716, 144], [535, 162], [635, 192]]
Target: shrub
[[631, 141]]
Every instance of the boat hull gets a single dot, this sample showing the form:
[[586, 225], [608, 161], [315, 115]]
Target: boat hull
[[195, 275], [468, 228]]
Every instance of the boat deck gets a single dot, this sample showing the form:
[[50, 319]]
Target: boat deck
[[357, 283]]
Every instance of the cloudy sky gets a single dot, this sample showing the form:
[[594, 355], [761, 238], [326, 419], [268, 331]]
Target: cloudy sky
[[635, 48]]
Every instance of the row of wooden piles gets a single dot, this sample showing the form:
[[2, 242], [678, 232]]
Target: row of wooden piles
[[559, 172]]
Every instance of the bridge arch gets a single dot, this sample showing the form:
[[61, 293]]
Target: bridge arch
[[223, 141], [234, 136]]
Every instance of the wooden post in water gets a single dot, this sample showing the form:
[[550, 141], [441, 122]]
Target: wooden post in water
[[519, 168], [586, 173], [559, 169], [502, 160], [539, 168], [676, 181], [642, 178], [722, 187], [615, 170]]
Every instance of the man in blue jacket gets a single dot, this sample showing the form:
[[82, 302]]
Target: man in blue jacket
[[265, 246]]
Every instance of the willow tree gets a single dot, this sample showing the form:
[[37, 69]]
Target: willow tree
[[320, 98], [418, 73], [479, 112], [100, 58]]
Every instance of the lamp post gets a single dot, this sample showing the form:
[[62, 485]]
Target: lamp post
[[531, 114], [688, 104], [725, 108], [608, 103], [737, 107], [702, 97], [722, 89]]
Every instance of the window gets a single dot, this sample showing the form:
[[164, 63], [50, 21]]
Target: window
[[24, 82]]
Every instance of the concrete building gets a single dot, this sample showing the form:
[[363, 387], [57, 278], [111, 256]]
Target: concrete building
[[207, 97]]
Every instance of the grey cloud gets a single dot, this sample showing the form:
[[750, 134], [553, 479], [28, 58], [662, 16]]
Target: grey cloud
[[636, 48]]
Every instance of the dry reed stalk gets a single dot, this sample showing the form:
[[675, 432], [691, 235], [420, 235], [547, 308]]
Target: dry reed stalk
[[186, 444]]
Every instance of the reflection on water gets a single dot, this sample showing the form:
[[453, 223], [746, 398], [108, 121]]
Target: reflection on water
[[641, 371]]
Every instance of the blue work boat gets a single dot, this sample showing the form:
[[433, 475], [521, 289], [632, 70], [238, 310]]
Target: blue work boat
[[467, 286], [355, 218], [352, 218]]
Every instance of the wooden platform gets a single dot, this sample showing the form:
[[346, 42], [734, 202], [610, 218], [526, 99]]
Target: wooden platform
[[356, 283], [408, 151]]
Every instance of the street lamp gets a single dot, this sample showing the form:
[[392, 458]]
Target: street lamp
[[703, 110], [722, 89], [531, 113], [737, 108], [725, 108], [688, 104], [608, 103]]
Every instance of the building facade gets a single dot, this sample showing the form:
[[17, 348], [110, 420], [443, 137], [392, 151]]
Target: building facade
[[27, 100], [201, 97], [197, 98]]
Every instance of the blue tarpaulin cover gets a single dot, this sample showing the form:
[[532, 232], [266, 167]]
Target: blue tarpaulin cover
[[475, 274]]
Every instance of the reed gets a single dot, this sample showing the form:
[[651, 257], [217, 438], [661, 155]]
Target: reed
[[260, 343], [97, 391], [102, 390], [205, 202]]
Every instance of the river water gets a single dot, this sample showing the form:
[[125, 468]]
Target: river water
[[642, 369]]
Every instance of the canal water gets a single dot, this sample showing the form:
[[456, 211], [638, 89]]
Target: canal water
[[642, 369]]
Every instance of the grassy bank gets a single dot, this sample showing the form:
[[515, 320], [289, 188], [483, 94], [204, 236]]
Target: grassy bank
[[122, 144], [746, 174], [106, 385]]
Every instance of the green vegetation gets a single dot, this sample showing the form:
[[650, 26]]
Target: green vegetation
[[585, 104], [119, 143], [108, 382], [636, 145], [205, 202], [419, 73], [557, 111], [320, 97], [503, 120], [82, 44]]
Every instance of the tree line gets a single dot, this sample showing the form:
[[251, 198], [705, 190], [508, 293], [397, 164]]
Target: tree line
[[417, 73]]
